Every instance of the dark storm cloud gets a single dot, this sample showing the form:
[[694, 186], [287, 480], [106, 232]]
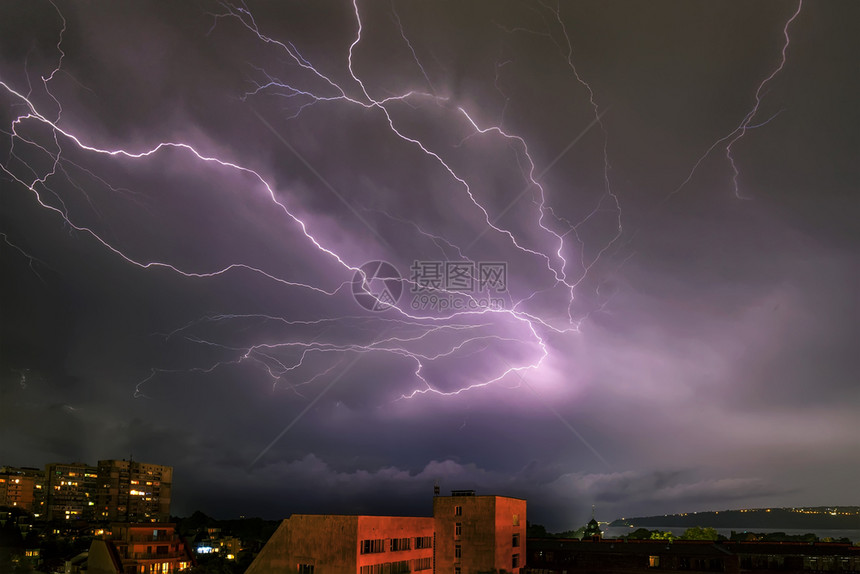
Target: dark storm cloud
[[716, 359]]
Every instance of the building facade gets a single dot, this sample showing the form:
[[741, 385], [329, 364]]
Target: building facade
[[467, 534], [132, 491], [71, 491], [113, 491], [477, 534], [216, 543], [23, 488], [143, 548], [570, 556], [336, 544]]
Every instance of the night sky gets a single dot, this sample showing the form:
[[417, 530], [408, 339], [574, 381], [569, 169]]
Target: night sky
[[190, 188]]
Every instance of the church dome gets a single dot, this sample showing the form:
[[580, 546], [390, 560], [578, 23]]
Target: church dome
[[592, 528]]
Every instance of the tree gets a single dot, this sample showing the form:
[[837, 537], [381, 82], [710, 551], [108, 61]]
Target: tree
[[535, 530], [578, 533], [640, 534], [699, 533], [660, 535]]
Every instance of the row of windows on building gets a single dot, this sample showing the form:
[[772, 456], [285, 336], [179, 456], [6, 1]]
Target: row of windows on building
[[400, 567], [373, 546], [74, 491], [161, 568]]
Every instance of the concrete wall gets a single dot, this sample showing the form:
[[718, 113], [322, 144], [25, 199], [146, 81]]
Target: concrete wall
[[388, 527], [327, 542], [508, 512], [487, 528], [332, 543]]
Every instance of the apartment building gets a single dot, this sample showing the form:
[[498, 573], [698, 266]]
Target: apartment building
[[479, 533], [23, 488], [467, 534], [71, 491], [143, 548], [132, 491], [337, 544], [113, 491]]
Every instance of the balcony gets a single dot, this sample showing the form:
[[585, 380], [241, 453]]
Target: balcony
[[155, 555], [138, 538]]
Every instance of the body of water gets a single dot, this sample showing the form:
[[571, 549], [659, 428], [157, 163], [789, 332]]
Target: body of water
[[853, 535]]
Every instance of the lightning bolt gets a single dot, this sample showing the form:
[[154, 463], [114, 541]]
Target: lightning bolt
[[295, 353], [729, 140]]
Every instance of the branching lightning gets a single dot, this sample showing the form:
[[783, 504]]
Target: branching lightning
[[290, 357], [729, 140]]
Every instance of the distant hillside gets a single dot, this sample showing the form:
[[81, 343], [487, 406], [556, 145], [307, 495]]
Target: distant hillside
[[823, 518]]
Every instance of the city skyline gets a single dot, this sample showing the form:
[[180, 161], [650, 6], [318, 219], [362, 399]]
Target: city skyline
[[610, 252]]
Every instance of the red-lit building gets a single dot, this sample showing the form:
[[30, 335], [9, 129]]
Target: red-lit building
[[142, 548], [479, 533], [467, 534], [336, 544]]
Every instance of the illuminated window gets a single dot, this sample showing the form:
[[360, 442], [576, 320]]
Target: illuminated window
[[516, 520], [654, 561]]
